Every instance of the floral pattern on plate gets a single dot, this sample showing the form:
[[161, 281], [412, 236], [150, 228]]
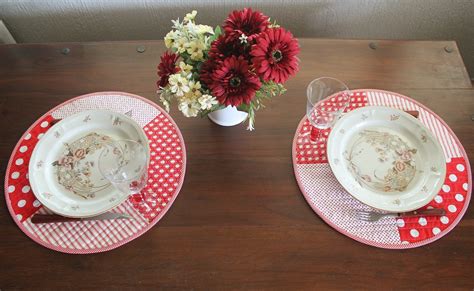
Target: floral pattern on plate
[[74, 167], [390, 150]]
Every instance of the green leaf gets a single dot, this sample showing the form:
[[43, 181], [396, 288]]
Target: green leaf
[[244, 107], [198, 66], [217, 31]]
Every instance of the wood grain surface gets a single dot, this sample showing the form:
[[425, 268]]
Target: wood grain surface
[[240, 221]]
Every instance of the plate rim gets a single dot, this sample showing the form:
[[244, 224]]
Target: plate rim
[[34, 186], [397, 209]]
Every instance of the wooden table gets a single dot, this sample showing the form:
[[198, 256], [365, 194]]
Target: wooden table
[[240, 221]]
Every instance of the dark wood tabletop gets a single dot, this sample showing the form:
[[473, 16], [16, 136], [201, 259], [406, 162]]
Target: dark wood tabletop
[[240, 221]]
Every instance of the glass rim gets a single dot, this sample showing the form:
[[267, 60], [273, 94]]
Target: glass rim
[[323, 78]]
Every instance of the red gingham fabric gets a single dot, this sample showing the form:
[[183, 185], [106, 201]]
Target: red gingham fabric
[[335, 206]]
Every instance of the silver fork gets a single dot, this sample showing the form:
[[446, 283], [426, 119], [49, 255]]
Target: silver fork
[[372, 216]]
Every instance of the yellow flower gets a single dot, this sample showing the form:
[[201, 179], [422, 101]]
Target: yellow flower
[[190, 16], [165, 102], [189, 108], [185, 68], [195, 50], [202, 29], [178, 85], [180, 45], [194, 89], [207, 101], [170, 38]]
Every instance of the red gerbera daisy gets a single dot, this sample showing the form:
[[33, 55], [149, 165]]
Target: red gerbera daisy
[[247, 22], [224, 47], [166, 68], [233, 83], [274, 55], [205, 74]]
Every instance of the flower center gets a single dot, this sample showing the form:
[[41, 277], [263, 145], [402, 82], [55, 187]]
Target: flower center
[[235, 82], [277, 55]]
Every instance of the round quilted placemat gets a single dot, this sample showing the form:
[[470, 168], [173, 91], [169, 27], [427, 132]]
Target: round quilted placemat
[[165, 177], [337, 207]]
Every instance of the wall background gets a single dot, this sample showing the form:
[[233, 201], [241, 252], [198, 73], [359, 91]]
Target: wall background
[[96, 20]]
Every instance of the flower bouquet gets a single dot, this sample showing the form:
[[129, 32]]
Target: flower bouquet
[[241, 65]]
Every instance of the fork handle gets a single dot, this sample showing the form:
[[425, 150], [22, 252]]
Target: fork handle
[[424, 212]]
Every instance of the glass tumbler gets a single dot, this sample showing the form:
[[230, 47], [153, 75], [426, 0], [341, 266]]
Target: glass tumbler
[[326, 100], [124, 163]]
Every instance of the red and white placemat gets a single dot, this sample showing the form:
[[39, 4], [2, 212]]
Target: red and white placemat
[[166, 174], [336, 207]]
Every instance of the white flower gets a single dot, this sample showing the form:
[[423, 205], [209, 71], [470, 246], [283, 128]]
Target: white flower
[[192, 30], [178, 85], [190, 16], [195, 50], [207, 41], [177, 25], [251, 120], [250, 126], [190, 108], [180, 45], [243, 38], [207, 101], [202, 29]]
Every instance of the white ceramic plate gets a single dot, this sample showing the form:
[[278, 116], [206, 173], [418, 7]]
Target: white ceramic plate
[[63, 170], [386, 159]]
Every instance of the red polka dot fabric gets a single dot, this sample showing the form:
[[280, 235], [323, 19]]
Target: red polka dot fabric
[[337, 207], [165, 178], [452, 198], [22, 199]]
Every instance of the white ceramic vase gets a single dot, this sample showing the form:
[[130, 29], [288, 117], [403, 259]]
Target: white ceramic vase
[[228, 116]]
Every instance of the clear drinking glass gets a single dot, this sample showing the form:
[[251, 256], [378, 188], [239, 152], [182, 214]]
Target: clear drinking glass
[[124, 164], [327, 99]]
